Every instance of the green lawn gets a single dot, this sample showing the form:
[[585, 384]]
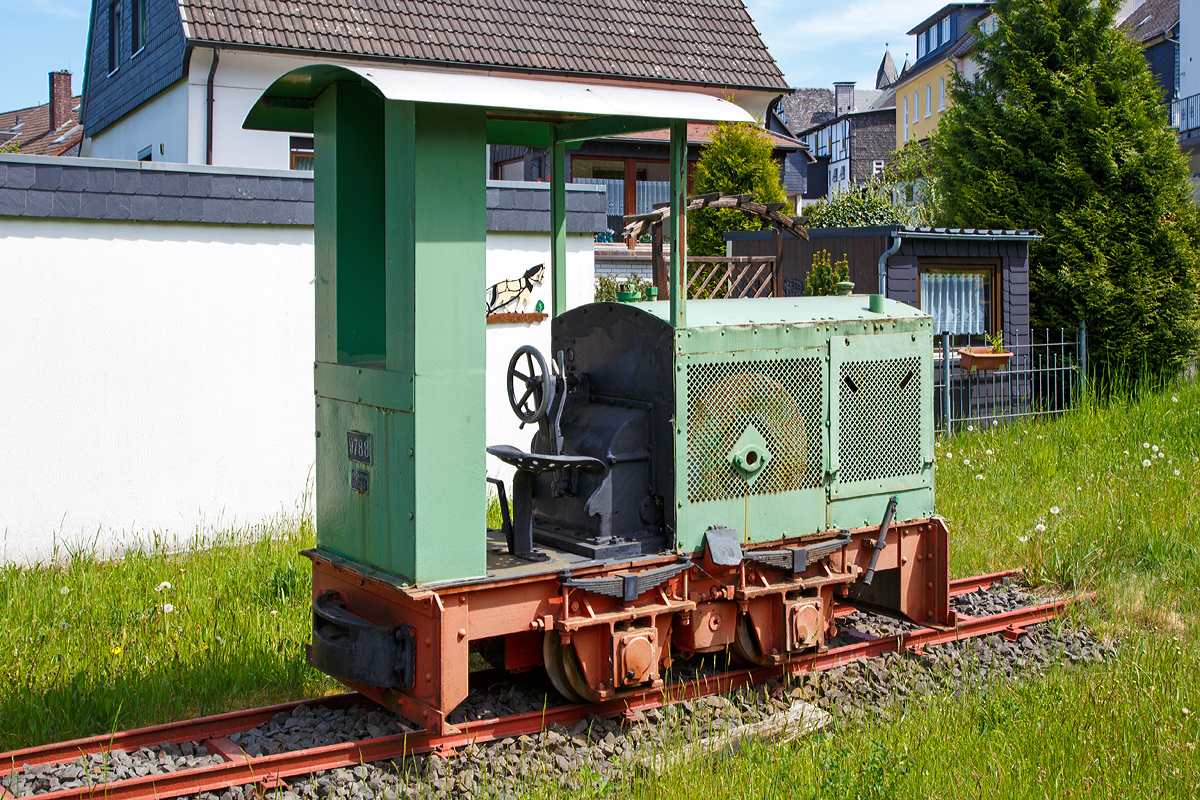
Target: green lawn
[[90, 647]]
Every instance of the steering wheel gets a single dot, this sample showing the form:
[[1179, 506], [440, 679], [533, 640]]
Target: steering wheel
[[537, 390]]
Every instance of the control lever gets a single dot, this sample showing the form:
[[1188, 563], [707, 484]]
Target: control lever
[[881, 542]]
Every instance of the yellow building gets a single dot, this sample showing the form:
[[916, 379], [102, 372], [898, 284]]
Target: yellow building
[[923, 89]]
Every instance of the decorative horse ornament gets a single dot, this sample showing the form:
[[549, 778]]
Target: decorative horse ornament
[[514, 292]]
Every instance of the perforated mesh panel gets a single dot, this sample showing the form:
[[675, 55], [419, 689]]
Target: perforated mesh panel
[[879, 425], [782, 399]]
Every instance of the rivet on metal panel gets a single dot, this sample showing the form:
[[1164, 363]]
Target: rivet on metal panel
[[929, 585], [428, 641], [847, 341], [462, 599], [411, 515], [318, 434], [462, 634], [360, 372], [428, 678]]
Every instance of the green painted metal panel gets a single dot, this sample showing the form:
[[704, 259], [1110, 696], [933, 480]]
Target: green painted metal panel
[[677, 224], [370, 527], [449, 342], [400, 165], [558, 225], [778, 395], [518, 132], [373, 387], [774, 310], [608, 126], [868, 509]]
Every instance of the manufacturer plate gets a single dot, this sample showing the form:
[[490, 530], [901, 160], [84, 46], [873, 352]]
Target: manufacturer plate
[[358, 446], [360, 481]]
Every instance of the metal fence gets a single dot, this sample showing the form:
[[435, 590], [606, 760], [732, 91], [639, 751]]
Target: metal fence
[[1045, 376], [1185, 113]]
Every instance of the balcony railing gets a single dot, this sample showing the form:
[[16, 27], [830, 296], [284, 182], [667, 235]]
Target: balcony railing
[[1185, 113]]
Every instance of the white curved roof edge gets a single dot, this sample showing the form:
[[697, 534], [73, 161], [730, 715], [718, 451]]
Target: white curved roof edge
[[526, 94]]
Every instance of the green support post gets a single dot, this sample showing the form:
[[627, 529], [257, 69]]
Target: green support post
[[558, 222], [678, 223]]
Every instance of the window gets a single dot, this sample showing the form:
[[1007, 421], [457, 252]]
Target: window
[[944, 30], [513, 170], [843, 176], [942, 94], [959, 299], [632, 186], [916, 107], [302, 152], [928, 99], [930, 41], [114, 36], [146, 153], [877, 166], [139, 27], [906, 118], [920, 46]]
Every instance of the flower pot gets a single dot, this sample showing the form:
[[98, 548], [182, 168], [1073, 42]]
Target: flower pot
[[982, 358]]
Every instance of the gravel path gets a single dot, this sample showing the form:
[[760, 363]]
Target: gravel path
[[598, 750]]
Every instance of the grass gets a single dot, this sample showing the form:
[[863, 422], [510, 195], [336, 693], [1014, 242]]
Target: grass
[[1128, 532], [89, 646]]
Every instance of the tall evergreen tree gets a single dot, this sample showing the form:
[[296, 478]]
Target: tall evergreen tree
[[739, 160], [1065, 130]]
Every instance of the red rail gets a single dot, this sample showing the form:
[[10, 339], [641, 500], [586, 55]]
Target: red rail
[[271, 770]]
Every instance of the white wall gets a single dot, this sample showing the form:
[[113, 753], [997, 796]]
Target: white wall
[[161, 122], [508, 256], [157, 378], [1189, 48]]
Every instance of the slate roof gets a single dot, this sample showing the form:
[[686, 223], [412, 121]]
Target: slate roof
[[99, 189], [710, 42], [886, 75], [31, 128], [1151, 19], [804, 108]]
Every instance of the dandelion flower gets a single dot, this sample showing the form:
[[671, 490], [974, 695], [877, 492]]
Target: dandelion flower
[[66, 625], [219, 640], [1185, 711], [1174, 399], [64, 591], [967, 461], [165, 585], [1126, 452], [1039, 436], [978, 477], [989, 452], [168, 608], [970, 427], [274, 613], [1054, 509], [1176, 473], [949, 455], [1154, 449], [1145, 462], [995, 422], [1040, 528], [1146, 445], [1022, 538]]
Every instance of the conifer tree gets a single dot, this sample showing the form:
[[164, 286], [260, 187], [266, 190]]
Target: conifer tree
[[739, 160], [1065, 130]]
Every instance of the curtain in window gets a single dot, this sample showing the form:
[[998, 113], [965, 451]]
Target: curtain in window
[[614, 188], [651, 192], [957, 301]]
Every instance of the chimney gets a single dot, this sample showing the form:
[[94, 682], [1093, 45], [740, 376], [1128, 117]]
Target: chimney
[[843, 97], [60, 98]]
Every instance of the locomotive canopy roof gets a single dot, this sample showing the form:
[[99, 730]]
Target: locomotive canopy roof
[[287, 104], [777, 310]]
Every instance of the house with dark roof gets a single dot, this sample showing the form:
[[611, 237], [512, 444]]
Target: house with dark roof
[[52, 129], [944, 42], [634, 167], [174, 79], [849, 132]]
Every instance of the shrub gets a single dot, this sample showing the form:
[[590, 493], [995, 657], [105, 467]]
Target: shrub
[[823, 279], [739, 160], [1064, 130]]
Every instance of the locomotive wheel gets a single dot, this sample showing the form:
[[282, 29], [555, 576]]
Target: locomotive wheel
[[745, 646], [575, 675], [552, 655]]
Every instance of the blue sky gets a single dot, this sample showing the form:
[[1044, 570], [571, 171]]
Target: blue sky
[[816, 42]]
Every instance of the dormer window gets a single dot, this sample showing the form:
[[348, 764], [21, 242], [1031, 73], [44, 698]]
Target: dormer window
[[944, 31], [920, 46]]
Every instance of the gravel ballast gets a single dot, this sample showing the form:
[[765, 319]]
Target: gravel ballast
[[597, 750]]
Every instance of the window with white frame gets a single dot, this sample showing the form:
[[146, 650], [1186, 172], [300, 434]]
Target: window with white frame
[[877, 166], [944, 30], [906, 119], [942, 94], [920, 46], [928, 99], [959, 299], [916, 106]]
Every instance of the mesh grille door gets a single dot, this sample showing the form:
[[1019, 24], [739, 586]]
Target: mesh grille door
[[881, 389]]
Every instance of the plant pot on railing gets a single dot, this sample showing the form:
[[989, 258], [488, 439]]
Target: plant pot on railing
[[983, 359]]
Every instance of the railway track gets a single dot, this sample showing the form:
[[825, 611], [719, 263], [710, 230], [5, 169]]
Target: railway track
[[236, 768]]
